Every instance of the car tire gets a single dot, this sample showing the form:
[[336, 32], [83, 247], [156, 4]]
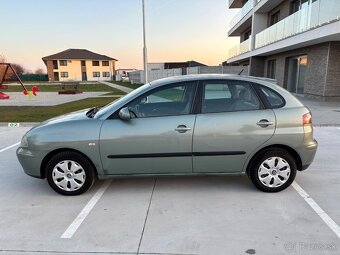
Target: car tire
[[70, 173], [273, 170]]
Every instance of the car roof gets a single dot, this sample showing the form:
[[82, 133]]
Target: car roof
[[194, 77]]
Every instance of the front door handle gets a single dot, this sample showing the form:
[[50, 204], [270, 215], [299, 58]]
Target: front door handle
[[264, 123], [182, 129]]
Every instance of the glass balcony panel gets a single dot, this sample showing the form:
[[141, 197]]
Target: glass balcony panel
[[280, 29], [314, 14], [310, 16], [329, 11], [243, 12], [243, 47], [273, 34], [303, 17]]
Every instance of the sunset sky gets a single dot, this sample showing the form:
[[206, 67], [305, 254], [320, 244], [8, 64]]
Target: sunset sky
[[177, 30]]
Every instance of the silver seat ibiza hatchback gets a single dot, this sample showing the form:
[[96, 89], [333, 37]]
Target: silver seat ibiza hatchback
[[188, 125]]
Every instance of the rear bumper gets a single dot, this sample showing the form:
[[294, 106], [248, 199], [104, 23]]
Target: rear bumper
[[307, 154], [30, 161]]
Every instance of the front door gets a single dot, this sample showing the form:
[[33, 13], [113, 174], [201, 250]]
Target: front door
[[157, 140], [56, 76], [297, 67], [84, 76], [233, 124]]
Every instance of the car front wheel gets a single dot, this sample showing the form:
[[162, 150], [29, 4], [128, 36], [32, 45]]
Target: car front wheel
[[69, 173], [273, 170]]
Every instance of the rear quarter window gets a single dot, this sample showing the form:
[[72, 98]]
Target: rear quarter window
[[274, 99]]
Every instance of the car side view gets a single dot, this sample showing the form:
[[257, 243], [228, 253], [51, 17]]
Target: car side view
[[188, 125]]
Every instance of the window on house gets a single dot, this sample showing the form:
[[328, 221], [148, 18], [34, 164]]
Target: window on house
[[55, 64], [106, 74], [64, 74], [297, 5], [247, 35], [244, 2], [95, 63], [105, 63], [83, 63], [271, 69], [274, 18], [294, 6], [96, 74], [63, 62]]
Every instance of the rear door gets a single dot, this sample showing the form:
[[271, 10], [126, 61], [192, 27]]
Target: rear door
[[232, 123]]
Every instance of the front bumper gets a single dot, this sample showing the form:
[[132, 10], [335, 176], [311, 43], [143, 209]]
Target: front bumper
[[30, 161]]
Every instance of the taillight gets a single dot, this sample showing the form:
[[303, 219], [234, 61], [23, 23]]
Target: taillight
[[307, 118]]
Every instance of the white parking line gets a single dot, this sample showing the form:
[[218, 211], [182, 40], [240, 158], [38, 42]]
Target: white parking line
[[322, 214], [11, 146], [86, 210]]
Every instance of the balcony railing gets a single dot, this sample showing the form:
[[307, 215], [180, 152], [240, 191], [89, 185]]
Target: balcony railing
[[243, 47], [316, 14], [241, 13]]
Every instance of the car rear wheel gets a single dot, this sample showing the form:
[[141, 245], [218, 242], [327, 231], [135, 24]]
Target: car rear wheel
[[69, 173], [273, 170]]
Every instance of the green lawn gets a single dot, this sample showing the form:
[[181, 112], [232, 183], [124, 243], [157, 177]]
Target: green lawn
[[41, 113], [55, 88], [128, 84]]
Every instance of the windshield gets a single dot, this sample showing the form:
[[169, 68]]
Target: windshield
[[125, 98]]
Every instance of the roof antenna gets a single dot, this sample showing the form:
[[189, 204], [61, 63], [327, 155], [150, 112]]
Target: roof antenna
[[241, 72]]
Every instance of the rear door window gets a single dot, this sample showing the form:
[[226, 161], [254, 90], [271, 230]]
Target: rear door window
[[228, 96]]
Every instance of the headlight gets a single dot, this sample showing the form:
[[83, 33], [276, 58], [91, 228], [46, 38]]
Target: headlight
[[24, 142]]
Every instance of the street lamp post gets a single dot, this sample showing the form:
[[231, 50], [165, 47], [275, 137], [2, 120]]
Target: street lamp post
[[145, 54]]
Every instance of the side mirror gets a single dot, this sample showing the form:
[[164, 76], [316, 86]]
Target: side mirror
[[124, 113]]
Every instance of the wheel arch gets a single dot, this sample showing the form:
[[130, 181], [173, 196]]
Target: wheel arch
[[293, 152], [54, 152]]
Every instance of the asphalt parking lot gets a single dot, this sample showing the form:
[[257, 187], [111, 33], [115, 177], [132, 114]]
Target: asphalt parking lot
[[200, 215]]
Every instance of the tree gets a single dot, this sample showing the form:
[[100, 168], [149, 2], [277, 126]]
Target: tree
[[19, 69], [40, 71]]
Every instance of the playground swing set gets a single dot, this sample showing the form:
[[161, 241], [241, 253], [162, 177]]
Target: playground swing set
[[8, 74]]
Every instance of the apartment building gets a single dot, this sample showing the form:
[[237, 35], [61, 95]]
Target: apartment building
[[79, 65], [296, 42]]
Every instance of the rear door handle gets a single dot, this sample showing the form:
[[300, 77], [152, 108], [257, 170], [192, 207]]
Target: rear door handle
[[182, 129], [264, 123]]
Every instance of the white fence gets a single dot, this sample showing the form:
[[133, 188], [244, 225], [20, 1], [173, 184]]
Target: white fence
[[138, 76]]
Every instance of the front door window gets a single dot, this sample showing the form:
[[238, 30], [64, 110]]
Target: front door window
[[172, 100]]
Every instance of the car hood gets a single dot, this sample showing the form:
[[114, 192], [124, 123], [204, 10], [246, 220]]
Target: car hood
[[78, 115]]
